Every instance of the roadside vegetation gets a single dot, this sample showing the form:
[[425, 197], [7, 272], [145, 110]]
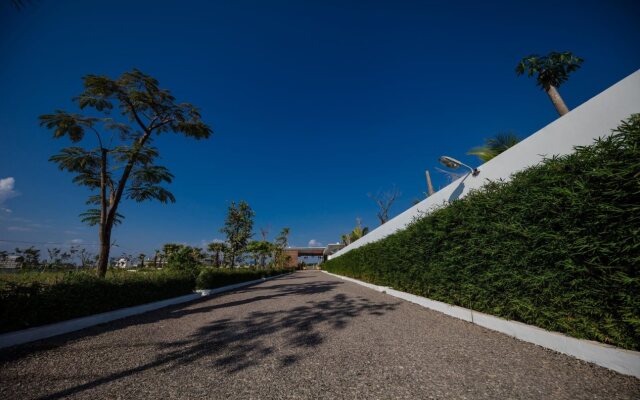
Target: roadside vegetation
[[32, 298], [62, 285], [558, 246]]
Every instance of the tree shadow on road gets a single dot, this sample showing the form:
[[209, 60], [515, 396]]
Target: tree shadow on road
[[279, 338]]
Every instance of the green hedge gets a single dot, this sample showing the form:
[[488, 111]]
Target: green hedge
[[211, 278], [558, 246], [28, 300]]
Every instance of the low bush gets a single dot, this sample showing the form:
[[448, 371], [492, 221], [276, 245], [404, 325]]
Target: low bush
[[211, 278], [558, 246], [31, 299]]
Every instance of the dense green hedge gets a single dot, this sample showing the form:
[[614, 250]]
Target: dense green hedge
[[558, 246], [31, 302], [210, 278], [31, 298]]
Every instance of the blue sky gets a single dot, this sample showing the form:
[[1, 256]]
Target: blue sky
[[313, 104]]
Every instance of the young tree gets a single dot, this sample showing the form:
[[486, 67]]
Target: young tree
[[123, 162], [156, 255], [238, 227], [494, 146], [385, 201], [85, 257], [31, 256], [264, 232], [141, 257], [281, 243], [551, 72], [357, 232], [260, 250], [217, 249], [54, 256]]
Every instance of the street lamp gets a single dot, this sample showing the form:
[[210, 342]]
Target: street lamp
[[455, 164]]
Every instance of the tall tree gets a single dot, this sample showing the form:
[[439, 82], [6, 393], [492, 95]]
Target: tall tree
[[384, 201], [123, 163], [217, 250], [494, 146], [238, 227], [551, 71]]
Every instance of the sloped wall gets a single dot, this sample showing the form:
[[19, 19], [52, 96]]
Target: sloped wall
[[579, 127]]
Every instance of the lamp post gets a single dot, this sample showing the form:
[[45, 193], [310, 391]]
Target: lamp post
[[455, 164]]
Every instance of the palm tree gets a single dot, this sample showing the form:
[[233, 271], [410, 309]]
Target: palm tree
[[217, 249], [494, 146], [552, 71], [355, 234]]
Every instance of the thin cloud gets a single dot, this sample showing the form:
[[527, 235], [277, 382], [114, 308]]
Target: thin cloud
[[19, 229], [6, 192], [314, 243]]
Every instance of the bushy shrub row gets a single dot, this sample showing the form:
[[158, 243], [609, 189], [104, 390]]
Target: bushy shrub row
[[31, 299], [26, 303], [558, 246], [210, 278]]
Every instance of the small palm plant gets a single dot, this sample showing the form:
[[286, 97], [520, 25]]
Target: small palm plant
[[494, 146], [551, 71]]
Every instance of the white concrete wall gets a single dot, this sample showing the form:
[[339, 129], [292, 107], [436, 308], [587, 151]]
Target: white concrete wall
[[595, 118]]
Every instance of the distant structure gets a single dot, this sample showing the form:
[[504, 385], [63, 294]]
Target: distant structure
[[319, 252], [123, 263], [11, 262]]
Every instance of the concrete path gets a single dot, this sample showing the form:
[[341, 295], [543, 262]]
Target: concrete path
[[306, 335]]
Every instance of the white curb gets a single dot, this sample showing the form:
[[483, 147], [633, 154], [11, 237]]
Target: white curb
[[620, 360], [46, 331]]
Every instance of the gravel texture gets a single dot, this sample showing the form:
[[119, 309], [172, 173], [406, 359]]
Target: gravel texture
[[306, 335]]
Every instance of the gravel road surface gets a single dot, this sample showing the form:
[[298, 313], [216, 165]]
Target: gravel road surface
[[304, 336]]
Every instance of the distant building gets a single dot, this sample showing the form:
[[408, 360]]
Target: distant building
[[123, 263], [11, 262]]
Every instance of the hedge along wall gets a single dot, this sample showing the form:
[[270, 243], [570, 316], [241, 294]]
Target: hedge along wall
[[558, 246]]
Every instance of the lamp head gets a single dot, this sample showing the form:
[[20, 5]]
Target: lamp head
[[450, 162], [455, 164]]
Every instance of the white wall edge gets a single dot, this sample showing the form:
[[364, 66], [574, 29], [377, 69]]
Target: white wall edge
[[59, 328], [580, 127], [620, 360]]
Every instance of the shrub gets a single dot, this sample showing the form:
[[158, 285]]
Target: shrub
[[183, 258], [211, 278], [30, 299], [558, 246]]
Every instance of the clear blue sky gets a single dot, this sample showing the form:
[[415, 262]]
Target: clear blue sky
[[313, 104]]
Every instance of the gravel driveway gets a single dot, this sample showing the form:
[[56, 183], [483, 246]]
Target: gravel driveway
[[306, 335]]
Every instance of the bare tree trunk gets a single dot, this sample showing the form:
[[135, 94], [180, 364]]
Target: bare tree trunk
[[105, 245], [429, 185], [557, 101]]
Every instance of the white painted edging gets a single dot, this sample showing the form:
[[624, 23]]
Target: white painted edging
[[72, 325], [620, 360]]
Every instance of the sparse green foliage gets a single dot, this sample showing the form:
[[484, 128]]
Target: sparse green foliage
[[495, 146], [280, 259], [238, 227], [357, 232], [558, 246], [121, 160]]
